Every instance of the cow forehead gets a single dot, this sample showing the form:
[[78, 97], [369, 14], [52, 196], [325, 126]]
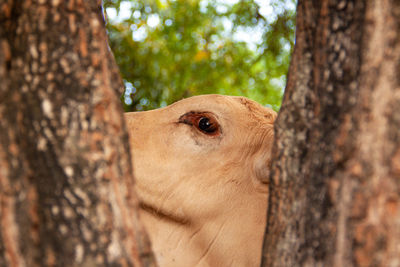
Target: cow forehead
[[221, 104]]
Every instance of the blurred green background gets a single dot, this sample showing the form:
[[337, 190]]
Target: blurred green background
[[170, 49]]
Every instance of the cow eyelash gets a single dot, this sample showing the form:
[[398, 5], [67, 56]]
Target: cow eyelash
[[202, 121]]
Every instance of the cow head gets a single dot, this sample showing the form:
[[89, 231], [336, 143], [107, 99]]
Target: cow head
[[201, 167]]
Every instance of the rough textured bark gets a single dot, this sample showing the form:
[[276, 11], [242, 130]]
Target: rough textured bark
[[65, 172], [335, 183]]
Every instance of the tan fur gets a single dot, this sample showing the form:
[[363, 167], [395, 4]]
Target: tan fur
[[203, 200]]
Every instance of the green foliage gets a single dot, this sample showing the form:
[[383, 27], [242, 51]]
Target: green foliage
[[195, 48]]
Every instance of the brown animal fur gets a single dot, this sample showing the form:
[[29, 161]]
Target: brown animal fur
[[202, 195]]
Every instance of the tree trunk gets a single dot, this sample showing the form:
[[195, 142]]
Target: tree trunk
[[335, 183], [65, 169]]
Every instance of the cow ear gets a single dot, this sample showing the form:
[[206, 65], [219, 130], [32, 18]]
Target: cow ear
[[262, 165], [262, 157]]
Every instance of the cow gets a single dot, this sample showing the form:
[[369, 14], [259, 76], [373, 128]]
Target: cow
[[201, 167]]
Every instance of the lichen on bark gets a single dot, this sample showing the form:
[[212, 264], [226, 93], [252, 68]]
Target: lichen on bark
[[333, 199], [66, 194]]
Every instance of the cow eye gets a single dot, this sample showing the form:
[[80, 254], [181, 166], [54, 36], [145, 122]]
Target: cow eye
[[206, 125], [204, 122]]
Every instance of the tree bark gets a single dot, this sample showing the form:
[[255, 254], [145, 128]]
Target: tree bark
[[65, 169], [335, 183]]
